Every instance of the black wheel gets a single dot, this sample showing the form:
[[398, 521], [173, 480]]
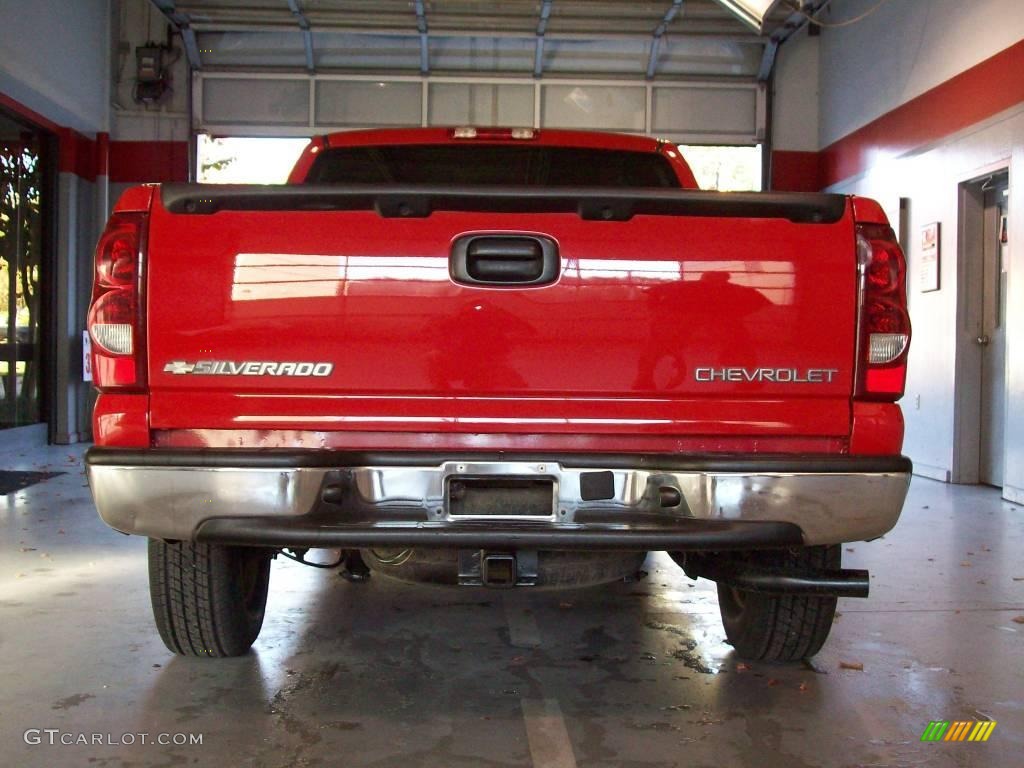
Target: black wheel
[[780, 627], [208, 600]]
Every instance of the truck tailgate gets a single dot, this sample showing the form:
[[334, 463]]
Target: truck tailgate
[[657, 324]]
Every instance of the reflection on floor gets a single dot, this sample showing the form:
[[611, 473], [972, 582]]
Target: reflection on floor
[[384, 674], [16, 481]]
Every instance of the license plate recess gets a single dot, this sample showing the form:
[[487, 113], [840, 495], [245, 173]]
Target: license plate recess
[[501, 496]]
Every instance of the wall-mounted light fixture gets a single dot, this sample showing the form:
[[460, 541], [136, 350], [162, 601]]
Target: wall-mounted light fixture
[[751, 12]]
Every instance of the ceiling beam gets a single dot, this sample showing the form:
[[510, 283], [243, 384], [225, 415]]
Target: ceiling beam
[[542, 28], [659, 31], [183, 24], [709, 37], [307, 33], [421, 29]]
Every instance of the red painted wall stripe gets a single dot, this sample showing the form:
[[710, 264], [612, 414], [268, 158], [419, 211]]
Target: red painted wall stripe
[[148, 161], [77, 154], [796, 171], [976, 94]]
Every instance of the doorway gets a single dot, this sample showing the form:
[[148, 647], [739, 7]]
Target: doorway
[[993, 329], [24, 232], [981, 358]]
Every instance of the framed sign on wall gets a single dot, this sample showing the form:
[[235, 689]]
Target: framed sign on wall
[[928, 262]]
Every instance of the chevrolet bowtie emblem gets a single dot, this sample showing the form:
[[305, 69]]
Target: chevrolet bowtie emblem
[[179, 366]]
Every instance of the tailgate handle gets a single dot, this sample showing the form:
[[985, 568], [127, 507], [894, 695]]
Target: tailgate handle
[[504, 260]]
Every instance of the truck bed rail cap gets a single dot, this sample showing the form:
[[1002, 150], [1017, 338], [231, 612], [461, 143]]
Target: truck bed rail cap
[[591, 203]]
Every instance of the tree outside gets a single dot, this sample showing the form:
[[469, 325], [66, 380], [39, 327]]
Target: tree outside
[[247, 160], [20, 254], [727, 169]]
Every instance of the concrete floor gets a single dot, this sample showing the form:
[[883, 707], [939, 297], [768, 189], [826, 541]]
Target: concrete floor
[[382, 674]]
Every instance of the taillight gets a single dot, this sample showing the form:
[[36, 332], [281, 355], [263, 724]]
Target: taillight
[[115, 323], [884, 322]]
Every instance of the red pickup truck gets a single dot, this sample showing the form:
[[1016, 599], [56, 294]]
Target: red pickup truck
[[500, 357]]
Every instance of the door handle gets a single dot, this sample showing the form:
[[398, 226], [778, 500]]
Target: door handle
[[983, 340], [504, 260]]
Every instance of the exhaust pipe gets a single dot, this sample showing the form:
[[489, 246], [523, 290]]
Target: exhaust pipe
[[845, 582]]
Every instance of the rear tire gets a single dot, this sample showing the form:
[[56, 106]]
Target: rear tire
[[208, 600], [780, 628]]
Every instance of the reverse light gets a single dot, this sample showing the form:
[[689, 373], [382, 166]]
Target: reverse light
[[886, 347], [113, 337], [115, 320], [884, 323]]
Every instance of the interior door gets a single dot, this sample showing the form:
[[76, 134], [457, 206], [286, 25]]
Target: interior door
[[993, 335]]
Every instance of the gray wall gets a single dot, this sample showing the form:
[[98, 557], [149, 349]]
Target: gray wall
[[902, 50], [55, 59]]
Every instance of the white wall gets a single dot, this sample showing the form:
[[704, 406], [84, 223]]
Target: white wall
[[869, 69], [931, 181], [902, 50], [795, 106], [54, 58]]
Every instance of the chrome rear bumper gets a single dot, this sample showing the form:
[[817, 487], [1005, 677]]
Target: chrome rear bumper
[[274, 498]]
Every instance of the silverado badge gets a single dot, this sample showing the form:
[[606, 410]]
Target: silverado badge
[[248, 368]]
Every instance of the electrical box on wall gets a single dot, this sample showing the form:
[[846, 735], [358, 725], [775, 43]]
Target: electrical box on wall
[[151, 81]]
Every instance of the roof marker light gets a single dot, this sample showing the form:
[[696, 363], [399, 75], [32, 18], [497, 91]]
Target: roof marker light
[[470, 132]]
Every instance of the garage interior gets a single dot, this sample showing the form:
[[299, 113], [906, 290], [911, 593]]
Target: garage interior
[[916, 103]]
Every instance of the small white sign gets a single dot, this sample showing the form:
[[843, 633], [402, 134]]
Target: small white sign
[[928, 264], [86, 357]]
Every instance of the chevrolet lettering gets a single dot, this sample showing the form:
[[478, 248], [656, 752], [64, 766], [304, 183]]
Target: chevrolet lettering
[[775, 375]]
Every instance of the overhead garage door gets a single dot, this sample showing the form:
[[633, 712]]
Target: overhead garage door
[[688, 72], [695, 112]]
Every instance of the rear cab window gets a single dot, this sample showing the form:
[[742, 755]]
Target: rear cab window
[[493, 164]]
